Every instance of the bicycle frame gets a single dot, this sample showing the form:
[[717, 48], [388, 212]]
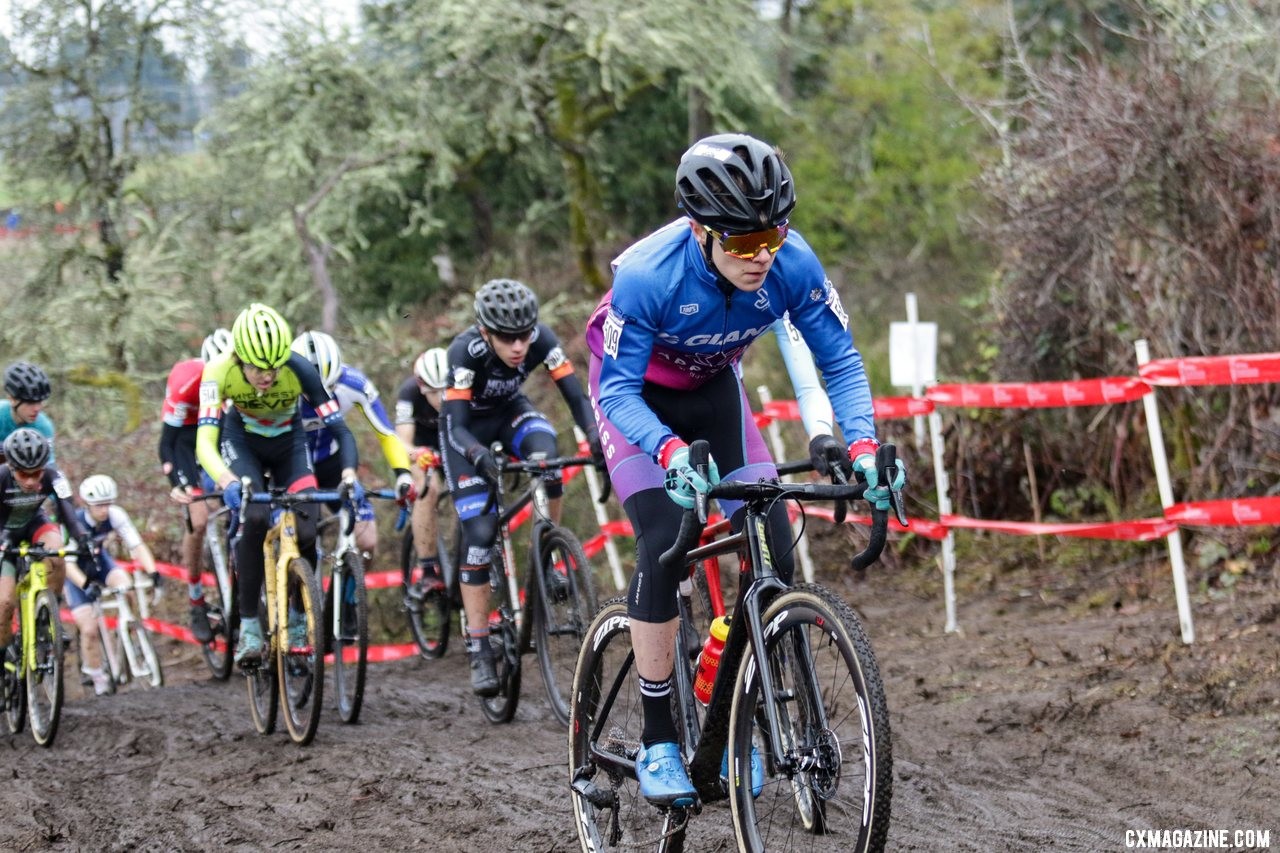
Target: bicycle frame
[[116, 600], [535, 493], [221, 568], [345, 544], [34, 581]]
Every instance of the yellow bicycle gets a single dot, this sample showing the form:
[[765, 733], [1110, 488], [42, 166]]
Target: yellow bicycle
[[291, 673], [33, 676]]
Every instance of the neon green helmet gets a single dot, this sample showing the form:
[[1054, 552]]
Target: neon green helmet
[[261, 337]]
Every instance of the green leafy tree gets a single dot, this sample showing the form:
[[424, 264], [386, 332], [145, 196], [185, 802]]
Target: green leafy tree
[[92, 93], [516, 78], [317, 126]]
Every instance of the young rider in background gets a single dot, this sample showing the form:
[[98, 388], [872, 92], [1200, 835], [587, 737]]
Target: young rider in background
[[181, 417], [418, 405], [353, 390]]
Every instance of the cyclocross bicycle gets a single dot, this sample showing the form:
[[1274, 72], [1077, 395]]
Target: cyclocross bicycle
[[127, 650], [289, 675], [813, 712], [559, 593], [346, 627], [32, 679]]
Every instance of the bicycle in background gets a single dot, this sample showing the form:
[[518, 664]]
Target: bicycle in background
[[551, 612], [428, 609], [32, 678], [796, 710], [220, 596], [128, 652], [346, 626]]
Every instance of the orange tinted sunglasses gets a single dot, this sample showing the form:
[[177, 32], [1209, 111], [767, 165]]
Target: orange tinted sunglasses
[[747, 246]]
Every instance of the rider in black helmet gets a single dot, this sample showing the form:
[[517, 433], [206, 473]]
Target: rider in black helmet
[[483, 402], [27, 388]]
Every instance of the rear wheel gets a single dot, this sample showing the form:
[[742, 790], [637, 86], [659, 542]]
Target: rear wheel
[[567, 601], [264, 697], [605, 723], [828, 784], [223, 613], [44, 681], [301, 667], [351, 642]]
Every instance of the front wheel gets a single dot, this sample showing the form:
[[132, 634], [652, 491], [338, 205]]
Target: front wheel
[[351, 636], [15, 694], [566, 602], [829, 781], [301, 666], [431, 623], [44, 680], [506, 652], [144, 664]]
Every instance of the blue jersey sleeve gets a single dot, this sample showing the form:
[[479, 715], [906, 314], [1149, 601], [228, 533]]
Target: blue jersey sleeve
[[630, 329]]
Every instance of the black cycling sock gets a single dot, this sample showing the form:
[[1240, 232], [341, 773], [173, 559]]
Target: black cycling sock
[[655, 697]]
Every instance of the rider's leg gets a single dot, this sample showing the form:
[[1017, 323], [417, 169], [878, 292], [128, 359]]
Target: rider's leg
[[193, 548], [90, 643], [8, 602]]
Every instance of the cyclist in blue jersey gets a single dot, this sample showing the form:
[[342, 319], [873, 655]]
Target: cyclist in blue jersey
[[353, 390], [686, 302], [27, 387]]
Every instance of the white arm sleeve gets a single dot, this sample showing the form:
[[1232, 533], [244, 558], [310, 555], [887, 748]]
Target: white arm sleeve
[[815, 406], [122, 525]]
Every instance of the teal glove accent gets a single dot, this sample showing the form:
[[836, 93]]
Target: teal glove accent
[[682, 482], [877, 495]]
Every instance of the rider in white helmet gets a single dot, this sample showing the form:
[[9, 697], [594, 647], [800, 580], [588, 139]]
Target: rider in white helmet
[[105, 522], [418, 425], [353, 390]]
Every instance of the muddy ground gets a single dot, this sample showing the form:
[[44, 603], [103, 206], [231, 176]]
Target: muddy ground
[[1065, 714]]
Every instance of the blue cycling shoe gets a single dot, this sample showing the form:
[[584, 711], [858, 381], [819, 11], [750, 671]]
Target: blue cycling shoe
[[757, 770], [663, 779]]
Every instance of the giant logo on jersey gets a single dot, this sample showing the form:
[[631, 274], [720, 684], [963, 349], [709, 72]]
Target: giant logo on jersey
[[463, 377]]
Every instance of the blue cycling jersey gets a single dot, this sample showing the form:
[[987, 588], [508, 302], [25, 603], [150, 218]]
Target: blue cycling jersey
[[352, 390], [667, 321]]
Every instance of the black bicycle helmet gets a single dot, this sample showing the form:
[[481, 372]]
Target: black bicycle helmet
[[25, 382], [506, 306], [735, 183], [26, 449]]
